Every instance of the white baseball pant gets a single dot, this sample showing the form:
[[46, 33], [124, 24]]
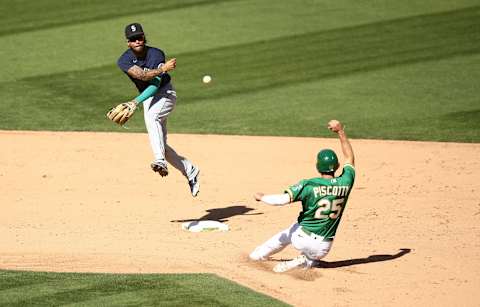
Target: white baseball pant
[[312, 246], [156, 110]]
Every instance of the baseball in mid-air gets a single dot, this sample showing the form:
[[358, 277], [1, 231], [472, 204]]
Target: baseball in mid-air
[[206, 79]]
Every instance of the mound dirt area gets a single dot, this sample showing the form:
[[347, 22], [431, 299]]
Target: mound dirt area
[[88, 202]]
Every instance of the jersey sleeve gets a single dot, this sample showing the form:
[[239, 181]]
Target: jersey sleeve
[[295, 191], [158, 57], [348, 174], [125, 62]]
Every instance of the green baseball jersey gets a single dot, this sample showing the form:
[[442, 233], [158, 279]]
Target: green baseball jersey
[[323, 201]]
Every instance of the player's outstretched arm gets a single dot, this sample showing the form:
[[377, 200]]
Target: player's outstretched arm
[[273, 199], [138, 73], [337, 127]]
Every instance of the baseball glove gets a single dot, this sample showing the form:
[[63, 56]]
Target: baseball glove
[[122, 113]]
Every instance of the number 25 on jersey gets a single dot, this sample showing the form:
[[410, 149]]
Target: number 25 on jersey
[[334, 207]]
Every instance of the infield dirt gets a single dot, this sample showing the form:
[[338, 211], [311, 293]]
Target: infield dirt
[[88, 202]]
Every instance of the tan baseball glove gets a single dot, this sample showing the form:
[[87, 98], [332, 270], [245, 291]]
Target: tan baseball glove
[[122, 113]]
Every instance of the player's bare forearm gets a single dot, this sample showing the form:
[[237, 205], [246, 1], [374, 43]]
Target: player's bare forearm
[[337, 127], [346, 147], [146, 75]]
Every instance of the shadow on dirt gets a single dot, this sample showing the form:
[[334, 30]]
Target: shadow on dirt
[[369, 259], [221, 214]]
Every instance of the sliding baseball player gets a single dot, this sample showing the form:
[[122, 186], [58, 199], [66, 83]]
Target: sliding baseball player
[[323, 200]]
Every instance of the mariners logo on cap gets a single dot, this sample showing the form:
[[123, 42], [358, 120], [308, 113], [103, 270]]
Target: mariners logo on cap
[[133, 29]]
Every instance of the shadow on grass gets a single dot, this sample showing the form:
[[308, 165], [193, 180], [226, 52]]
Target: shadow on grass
[[325, 54], [262, 65], [78, 100], [469, 118], [19, 18]]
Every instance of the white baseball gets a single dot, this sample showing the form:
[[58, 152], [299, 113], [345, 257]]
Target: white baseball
[[206, 79]]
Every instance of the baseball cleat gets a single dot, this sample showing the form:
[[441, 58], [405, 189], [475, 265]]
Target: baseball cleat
[[193, 183], [159, 167], [297, 262]]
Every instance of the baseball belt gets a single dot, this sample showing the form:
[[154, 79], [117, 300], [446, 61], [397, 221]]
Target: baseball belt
[[315, 236]]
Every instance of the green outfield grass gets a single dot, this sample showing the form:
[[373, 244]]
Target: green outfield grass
[[54, 289], [402, 70]]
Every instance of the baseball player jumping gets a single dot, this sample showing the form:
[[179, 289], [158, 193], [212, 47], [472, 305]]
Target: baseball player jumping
[[323, 202], [146, 66]]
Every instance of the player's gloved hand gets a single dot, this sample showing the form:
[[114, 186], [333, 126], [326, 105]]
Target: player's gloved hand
[[122, 113], [334, 125]]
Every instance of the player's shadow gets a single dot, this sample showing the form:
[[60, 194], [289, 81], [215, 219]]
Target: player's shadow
[[369, 259], [222, 214]]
